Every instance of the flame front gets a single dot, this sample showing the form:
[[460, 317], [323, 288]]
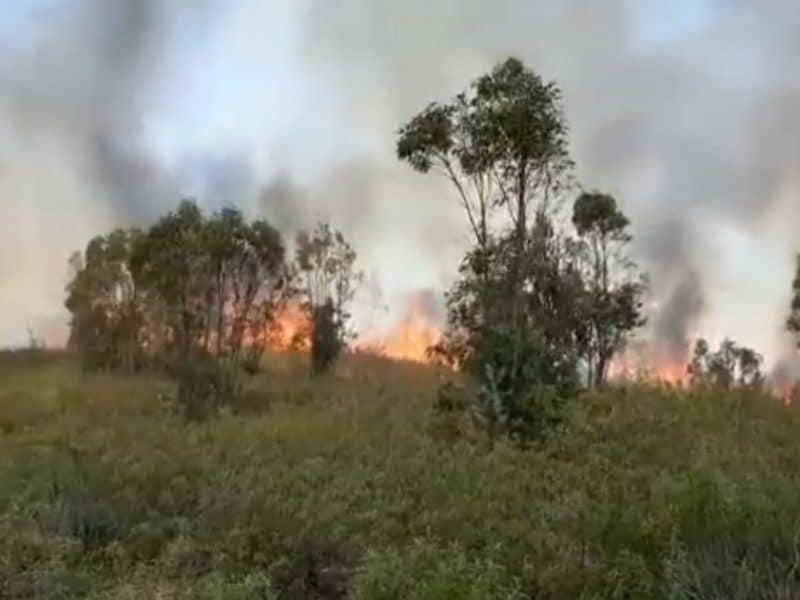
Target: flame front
[[671, 372], [784, 386], [410, 339], [659, 369], [290, 329]]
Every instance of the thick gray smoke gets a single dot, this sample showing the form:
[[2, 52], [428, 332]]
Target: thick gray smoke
[[694, 126], [688, 111], [84, 85], [398, 227], [673, 251], [72, 156]]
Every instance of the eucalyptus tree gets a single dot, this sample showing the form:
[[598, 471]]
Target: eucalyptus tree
[[612, 284], [328, 280]]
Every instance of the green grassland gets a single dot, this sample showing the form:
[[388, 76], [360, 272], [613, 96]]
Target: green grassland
[[351, 486]]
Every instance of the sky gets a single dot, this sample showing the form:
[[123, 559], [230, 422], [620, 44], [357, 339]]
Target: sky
[[687, 111]]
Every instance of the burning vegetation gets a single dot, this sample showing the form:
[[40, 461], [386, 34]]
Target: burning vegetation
[[290, 330], [541, 307], [410, 338], [583, 444]]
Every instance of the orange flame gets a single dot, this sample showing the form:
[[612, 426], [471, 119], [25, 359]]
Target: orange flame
[[410, 339], [658, 369], [672, 372], [784, 385], [290, 329]]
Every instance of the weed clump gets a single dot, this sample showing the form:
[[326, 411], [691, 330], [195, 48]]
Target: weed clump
[[206, 387]]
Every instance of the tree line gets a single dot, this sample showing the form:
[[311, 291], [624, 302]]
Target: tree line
[[539, 304], [200, 295], [545, 296], [548, 293]]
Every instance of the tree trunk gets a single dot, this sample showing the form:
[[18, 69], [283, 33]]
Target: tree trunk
[[517, 266], [220, 309], [600, 371]]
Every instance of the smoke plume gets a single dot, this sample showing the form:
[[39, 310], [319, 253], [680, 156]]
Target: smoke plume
[[72, 156], [687, 111], [695, 127]]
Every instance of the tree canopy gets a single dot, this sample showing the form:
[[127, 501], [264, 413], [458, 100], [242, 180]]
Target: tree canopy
[[533, 302], [195, 288]]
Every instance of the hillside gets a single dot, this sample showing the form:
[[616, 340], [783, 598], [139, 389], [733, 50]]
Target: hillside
[[350, 486]]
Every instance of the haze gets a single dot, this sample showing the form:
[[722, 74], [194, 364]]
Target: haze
[[687, 111]]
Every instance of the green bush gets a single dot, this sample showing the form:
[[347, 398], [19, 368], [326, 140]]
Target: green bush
[[640, 492], [254, 586], [520, 386], [424, 572], [206, 386], [733, 539], [326, 338]]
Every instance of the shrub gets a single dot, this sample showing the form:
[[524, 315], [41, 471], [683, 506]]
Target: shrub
[[254, 586], [206, 386], [734, 542], [251, 364], [646, 493], [520, 386], [424, 572], [326, 338], [88, 517]]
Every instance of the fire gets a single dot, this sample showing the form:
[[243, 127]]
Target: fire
[[410, 339], [291, 329], [671, 372], [661, 369], [784, 384]]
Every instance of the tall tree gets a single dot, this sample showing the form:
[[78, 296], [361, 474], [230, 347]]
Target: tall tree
[[105, 302], [613, 307], [328, 281], [260, 286], [172, 260], [220, 278], [198, 293], [793, 320], [503, 146], [731, 366], [248, 283]]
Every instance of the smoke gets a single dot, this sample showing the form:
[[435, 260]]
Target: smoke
[[687, 111], [689, 114], [84, 86], [72, 159], [397, 225], [286, 204], [671, 253], [674, 321]]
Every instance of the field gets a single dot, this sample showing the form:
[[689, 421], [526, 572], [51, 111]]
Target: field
[[352, 487]]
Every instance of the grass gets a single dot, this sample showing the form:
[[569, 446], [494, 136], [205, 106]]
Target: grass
[[350, 486]]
